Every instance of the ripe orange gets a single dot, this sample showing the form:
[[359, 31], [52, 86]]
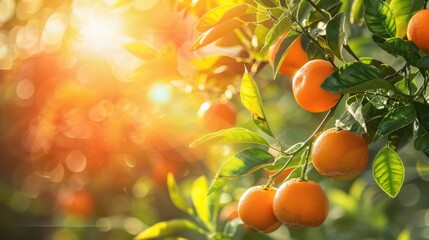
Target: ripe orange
[[418, 31], [306, 86], [295, 58], [340, 154], [300, 203], [217, 115], [255, 209]]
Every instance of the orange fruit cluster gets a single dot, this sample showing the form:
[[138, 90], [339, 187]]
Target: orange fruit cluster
[[418, 31]]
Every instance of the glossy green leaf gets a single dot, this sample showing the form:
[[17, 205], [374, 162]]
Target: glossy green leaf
[[231, 135], [141, 50], [303, 11], [281, 27], [379, 18], [388, 171], [267, 3], [394, 120], [422, 111], [352, 119], [423, 62], [222, 14], [355, 77], [175, 196], [287, 42], [357, 12], [335, 34], [217, 32], [399, 47], [167, 228], [200, 200], [241, 164], [401, 137], [329, 7], [251, 100], [404, 10], [421, 142]]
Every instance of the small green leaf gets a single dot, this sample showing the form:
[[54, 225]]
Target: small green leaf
[[280, 28], [379, 18], [222, 14], [266, 3], [357, 12], [200, 200], [335, 34], [175, 196], [388, 171], [251, 100], [422, 111], [395, 120], [352, 119], [167, 228], [421, 142], [231, 135], [241, 164], [404, 10], [287, 42], [355, 77], [399, 47]]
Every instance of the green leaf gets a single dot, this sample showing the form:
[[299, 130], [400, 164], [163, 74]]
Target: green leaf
[[267, 3], [352, 119], [231, 135], [404, 10], [423, 62], [251, 100], [399, 47], [355, 77], [217, 32], [281, 27], [287, 42], [422, 111], [335, 35], [357, 12], [141, 50], [241, 164], [379, 18], [303, 11], [395, 120], [421, 142], [164, 229], [401, 137], [388, 171], [222, 14], [175, 196], [329, 7], [200, 200], [295, 161], [402, 86]]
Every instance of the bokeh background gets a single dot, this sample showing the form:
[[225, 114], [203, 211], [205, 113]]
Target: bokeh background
[[99, 101]]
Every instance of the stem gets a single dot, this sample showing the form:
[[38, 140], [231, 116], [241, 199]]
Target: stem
[[275, 175], [350, 51], [304, 169], [319, 10]]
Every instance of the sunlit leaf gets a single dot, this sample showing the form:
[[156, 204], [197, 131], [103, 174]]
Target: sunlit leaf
[[421, 142], [141, 50], [335, 35], [217, 32], [251, 100], [399, 47], [241, 164], [402, 86], [388, 171], [379, 18], [267, 3], [357, 12], [232, 135], [352, 119], [355, 77], [395, 119], [200, 200], [164, 229], [329, 7], [175, 196], [404, 10], [281, 27], [222, 14], [287, 42]]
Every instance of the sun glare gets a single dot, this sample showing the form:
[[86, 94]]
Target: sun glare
[[100, 33]]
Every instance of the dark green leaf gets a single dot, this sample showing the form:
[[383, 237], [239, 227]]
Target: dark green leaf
[[352, 119], [404, 10], [421, 141], [401, 137], [232, 135], [242, 163], [373, 117], [251, 100], [395, 120], [357, 12], [281, 27], [303, 11], [422, 111], [283, 49], [355, 77], [399, 47], [379, 18], [330, 8], [335, 35], [217, 32], [164, 229], [423, 62], [175, 196], [388, 171]]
